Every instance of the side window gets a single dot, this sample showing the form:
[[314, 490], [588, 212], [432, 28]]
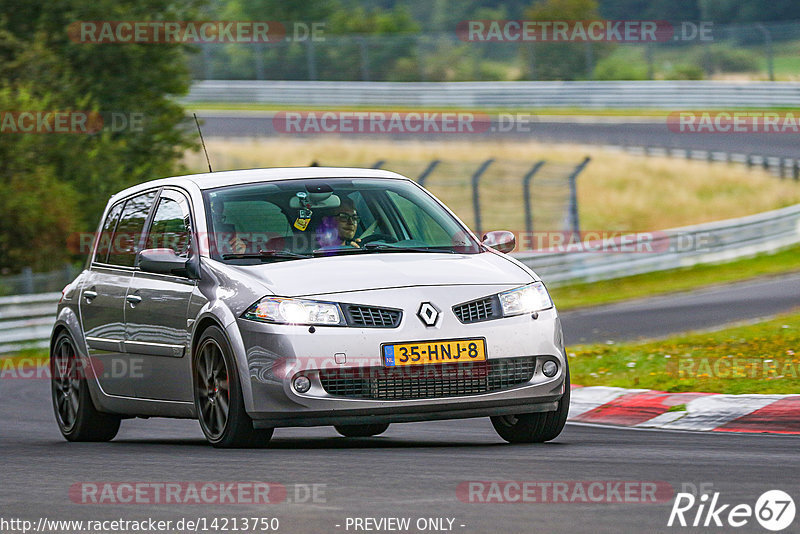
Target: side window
[[170, 228], [129, 230], [107, 233]]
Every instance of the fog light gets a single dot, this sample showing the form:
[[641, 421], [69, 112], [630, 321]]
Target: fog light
[[302, 384], [549, 368]]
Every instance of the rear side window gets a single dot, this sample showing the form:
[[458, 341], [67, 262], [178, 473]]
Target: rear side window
[[170, 228], [129, 230], [107, 233]]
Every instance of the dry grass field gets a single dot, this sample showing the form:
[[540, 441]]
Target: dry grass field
[[616, 192]]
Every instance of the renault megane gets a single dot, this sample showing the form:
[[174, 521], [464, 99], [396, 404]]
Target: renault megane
[[266, 298]]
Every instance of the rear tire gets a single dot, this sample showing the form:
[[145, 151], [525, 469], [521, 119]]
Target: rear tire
[[77, 418], [218, 395], [361, 431], [535, 427]]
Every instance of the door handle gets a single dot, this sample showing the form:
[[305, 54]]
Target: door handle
[[89, 295], [133, 300]]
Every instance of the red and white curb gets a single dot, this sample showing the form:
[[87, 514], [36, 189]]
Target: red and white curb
[[777, 414]]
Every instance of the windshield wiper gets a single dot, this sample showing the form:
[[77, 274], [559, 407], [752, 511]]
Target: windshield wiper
[[266, 254], [333, 251], [378, 247], [392, 248]]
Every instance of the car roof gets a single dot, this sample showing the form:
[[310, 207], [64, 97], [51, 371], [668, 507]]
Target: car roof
[[210, 180]]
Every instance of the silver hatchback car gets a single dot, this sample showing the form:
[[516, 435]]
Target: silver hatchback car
[[266, 298]]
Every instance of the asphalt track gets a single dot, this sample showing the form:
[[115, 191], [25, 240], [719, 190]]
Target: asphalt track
[[413, 471], [695, 310], [600, 131]]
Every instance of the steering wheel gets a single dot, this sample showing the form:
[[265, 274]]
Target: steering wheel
[[378, 237]]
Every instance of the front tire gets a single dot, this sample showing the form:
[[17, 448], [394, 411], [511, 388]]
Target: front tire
[[535, 427], [361, 431], [218, 395], [77, 418]]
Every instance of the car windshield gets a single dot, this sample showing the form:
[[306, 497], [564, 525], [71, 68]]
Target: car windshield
[[296, 219]]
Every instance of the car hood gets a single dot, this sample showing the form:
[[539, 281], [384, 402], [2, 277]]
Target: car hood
[[357, 272]]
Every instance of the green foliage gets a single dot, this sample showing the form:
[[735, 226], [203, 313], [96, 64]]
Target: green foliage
[[563, 61], [50, 175], [685, 71], [38, 209], [357, 42], [620, 68], [724, 58]]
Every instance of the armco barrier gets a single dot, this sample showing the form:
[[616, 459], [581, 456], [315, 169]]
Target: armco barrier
[[27, 320], [679, 247], [675, 95]]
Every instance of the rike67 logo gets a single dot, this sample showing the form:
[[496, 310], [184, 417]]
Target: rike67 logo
[[774, 510]]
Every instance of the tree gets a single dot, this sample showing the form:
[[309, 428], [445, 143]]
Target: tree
[[563, 61], [46, 176]]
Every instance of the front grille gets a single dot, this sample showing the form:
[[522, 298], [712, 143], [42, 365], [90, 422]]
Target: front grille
[[428, 381], [372, 317], [478, 310]]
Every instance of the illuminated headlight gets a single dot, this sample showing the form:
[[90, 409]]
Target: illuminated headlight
[[295, 311], [526, 299]]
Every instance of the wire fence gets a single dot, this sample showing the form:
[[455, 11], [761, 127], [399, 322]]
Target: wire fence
[[523, 195], [761, 51]]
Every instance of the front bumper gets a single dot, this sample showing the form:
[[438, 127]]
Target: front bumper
[[273, 355]]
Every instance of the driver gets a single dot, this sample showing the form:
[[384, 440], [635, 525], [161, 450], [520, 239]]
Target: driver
[[339, 228]]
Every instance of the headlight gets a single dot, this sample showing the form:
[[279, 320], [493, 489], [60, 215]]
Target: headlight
[[295, 311], [526, 299]]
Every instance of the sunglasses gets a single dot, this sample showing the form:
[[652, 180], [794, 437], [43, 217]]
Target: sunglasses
[[345, 217]]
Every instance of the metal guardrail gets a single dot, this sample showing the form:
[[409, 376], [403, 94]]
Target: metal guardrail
[[30, 282], [677, 95], [671, 249], [26, 320]]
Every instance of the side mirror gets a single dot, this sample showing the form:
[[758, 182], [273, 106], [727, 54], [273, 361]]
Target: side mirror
[[501, 240], [165, 261]]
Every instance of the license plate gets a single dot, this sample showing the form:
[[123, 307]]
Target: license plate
[[428, 352]]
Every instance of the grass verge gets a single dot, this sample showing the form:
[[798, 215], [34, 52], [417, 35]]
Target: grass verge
[[757, 358], [658, 283]]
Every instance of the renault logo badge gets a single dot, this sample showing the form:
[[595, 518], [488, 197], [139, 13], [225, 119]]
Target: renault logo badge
[[428, 314]]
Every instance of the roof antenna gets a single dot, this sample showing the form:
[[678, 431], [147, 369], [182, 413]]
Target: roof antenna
[[202, 142]]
